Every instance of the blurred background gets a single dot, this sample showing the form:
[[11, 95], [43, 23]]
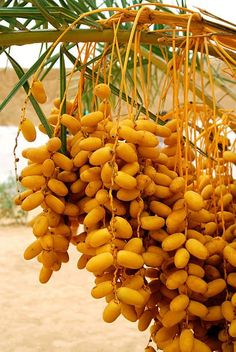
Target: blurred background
[[61, 315]]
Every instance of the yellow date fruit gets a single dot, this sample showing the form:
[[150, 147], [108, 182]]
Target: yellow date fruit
[[99, 262], [130, 296], [32, 201], [111, 311], [186, 340], [33, 250], [196, 248], [28, 130], [179, 303], [193, 200], [102, 289], [57, 187], [102, 91], [173, 241], [38, 92], [129, 259]]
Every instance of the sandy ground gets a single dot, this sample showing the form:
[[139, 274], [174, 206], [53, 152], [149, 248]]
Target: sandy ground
[[60, 316]]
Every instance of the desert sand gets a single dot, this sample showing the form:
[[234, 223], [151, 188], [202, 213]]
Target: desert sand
[[60, 316]]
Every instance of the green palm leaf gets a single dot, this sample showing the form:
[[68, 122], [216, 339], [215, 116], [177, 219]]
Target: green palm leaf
[[43, 21], [20, 73]]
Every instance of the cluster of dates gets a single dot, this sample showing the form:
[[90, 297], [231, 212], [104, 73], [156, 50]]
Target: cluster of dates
[[161, 246]]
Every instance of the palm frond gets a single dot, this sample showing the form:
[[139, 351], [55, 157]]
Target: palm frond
[[35, 21]]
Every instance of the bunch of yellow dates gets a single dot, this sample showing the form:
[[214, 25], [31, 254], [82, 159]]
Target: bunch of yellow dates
[[161, 247]]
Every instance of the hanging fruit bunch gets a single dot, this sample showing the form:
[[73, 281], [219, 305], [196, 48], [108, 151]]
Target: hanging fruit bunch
[[149, 206]]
